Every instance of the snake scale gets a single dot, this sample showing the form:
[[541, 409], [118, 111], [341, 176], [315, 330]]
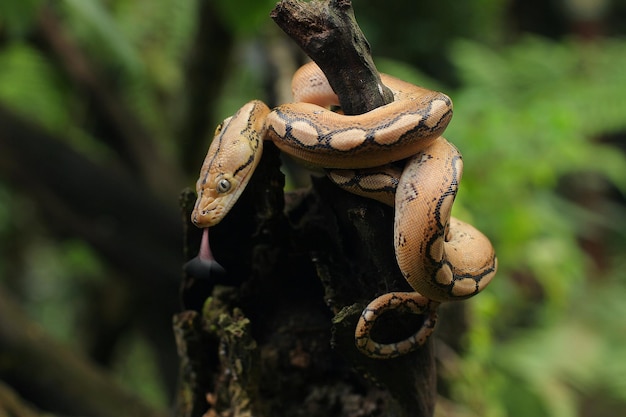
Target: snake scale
[[441, 257]]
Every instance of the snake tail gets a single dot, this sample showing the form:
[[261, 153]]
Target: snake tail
[[405, 302]]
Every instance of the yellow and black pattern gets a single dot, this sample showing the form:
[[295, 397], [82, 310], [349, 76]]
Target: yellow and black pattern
[[442, 258]]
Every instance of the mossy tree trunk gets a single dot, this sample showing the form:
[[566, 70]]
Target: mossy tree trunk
[[275, 335]]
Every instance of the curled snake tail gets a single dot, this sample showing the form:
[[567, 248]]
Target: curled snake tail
[[409, 302]]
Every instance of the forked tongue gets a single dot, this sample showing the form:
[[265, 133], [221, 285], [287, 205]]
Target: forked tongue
[[204, 265]]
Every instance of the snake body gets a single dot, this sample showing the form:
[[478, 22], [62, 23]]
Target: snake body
[[442, 258]]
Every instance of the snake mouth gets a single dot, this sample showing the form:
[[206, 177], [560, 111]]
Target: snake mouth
[[206, 214], [204, 218]]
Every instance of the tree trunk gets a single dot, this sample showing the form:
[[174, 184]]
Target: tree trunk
[[275, 335]]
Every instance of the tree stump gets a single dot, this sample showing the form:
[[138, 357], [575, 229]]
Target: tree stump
[[274, 336]]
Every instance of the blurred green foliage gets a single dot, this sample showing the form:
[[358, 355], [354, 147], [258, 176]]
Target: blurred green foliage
[[548, 337], [527, 116], [30, 84], [18, 16]]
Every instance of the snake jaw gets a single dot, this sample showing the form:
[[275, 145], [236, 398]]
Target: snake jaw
[[212, 205], [206, 217]]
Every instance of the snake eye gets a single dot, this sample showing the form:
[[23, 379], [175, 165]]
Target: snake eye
[[223, 186]]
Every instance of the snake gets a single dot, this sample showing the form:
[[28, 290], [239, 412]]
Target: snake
[[442, 258]]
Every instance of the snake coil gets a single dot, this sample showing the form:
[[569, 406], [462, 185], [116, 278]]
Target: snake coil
[[441, 257]]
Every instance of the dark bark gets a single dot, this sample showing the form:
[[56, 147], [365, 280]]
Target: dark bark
[[297, 279], [327, 31]]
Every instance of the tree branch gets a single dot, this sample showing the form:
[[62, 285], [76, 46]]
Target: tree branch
[[327, 31]]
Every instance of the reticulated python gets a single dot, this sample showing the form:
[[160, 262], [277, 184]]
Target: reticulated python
[[442, 258]]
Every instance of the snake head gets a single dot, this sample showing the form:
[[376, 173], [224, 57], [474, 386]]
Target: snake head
[[232, 157]]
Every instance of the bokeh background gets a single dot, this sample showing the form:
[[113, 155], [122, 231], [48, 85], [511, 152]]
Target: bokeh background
[[107, 108]]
